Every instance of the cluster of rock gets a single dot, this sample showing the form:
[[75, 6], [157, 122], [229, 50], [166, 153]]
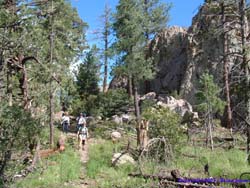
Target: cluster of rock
[[180, 106]]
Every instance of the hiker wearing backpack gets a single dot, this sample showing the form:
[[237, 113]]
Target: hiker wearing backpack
[[82, 135], [65, 122], [80, 121]]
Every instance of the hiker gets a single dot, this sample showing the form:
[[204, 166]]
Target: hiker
[[80, 120], [82, 135], [65, 122]]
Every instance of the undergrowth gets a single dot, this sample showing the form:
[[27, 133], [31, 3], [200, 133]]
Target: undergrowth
[[228, 164], [54, 172]]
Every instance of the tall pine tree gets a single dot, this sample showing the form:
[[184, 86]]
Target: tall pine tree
[[88, 74], [135, 22]]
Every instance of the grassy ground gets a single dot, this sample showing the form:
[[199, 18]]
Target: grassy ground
[[99, 168], [64, 170], [222, 163], [59, 170]]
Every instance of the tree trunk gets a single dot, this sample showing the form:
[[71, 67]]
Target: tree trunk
[[36, 157], [9, 85], [1, 76], [51, 110], [105, 78], [210, 132], [137, 111], [130, 87], [106, 34], [244, 33], [51, 92], [25, 88], [226, 69]]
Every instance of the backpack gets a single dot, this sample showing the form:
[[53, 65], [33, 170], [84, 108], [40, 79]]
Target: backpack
[[83, 130]]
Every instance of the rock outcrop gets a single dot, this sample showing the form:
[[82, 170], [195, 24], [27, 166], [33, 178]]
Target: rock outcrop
[[182, 55], [170, 54], [180, 106], [118, 82]]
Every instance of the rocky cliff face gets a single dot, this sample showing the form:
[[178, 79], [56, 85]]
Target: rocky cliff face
[[183, 55], [169, 49]]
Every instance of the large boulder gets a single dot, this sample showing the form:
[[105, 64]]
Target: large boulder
[[117, 119], [115, 136], [180, 106], [148, 96], [126, 118], [119, 159]]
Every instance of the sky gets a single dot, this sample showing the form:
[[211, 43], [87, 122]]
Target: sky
[[90, 11]]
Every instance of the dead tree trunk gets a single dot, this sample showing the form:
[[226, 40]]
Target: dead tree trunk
[[137, 111]]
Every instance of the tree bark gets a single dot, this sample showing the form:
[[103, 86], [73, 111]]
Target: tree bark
[[36, 157], [246, 59], [51, 109], [226, 69], [106, 34], [9, 85], [1, 75], [137, 111], [130, 87], [51, 91]]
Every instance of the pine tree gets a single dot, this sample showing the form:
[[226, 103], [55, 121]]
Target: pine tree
[[106, 34], [52, 34], [133, 28], [209, 103], [88, 74]]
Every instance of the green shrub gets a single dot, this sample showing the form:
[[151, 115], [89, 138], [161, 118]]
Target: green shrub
[[19, 131], [105, 104], [147, 104], [164, 123], [113, 102]]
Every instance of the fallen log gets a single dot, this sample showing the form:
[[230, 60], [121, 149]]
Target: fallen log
[[189, 156], [152, 176], [167, 180], [225, 139]]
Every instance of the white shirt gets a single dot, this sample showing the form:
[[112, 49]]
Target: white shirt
[[81, 121], [65, 119]]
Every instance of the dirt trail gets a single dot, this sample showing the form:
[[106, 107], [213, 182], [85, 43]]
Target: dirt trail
[[84, 153], [84, 157]]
